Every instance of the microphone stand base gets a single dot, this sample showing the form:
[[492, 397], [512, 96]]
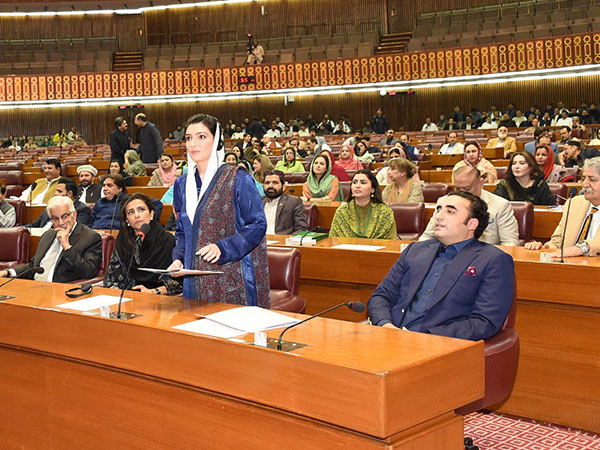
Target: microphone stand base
[[124, 315], [286, 346], [6, 297]]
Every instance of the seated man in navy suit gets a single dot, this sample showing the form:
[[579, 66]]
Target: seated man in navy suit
[[453, 285]]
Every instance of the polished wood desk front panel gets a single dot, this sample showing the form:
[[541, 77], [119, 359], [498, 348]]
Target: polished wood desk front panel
[[70, 378], [558, 318]]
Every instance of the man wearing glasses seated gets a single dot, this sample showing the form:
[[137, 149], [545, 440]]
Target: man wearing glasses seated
[[69, 251]]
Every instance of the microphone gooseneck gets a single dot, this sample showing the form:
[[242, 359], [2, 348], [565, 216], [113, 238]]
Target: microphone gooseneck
[[37, 269], [354, 306], [144, 229]]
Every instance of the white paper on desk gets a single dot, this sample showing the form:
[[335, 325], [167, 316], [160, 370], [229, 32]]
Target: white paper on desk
[[180, 271], [209, 328], [272, 242], [366, 248], [88, 304], [252, 318]]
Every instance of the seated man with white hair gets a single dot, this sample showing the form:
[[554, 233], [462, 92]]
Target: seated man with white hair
[[581, 236], [69, 251], [502, 228]]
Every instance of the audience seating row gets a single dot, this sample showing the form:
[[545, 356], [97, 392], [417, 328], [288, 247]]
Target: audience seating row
[[279, 50], [533, 21]]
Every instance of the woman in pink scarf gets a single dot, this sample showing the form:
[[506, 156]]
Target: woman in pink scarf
[[166, 174], [347, 161]]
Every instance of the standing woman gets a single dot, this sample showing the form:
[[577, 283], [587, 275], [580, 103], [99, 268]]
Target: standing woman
[[154, 252], [166, 174], [403, 187], [364, 215], [320, 182], [473, 156], [221, 223], [524, 182]]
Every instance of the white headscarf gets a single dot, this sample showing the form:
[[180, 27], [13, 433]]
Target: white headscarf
[[216, 159]]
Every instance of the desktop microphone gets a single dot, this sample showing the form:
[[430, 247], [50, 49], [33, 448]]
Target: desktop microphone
[[144, 230], [36, 269], [354, 306], [31, 188], [572, 193]]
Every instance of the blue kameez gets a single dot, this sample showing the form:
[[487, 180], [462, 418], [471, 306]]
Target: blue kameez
[[250, 224]]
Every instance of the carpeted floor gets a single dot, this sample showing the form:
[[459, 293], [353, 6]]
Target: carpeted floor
[[496, 432]]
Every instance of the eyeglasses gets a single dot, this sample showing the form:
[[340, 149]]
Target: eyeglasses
[[62, 218]]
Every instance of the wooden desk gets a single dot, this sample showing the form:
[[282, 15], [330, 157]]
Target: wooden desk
[[71, 380], [558, 318]]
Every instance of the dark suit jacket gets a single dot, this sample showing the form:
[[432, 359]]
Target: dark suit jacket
[[93, 193], [291, 216], [471, 301], [119, 144], [84, 216], [80, 261]]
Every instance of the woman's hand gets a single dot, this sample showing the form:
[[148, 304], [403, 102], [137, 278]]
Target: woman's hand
[[210, 253], [142, 288], [175, 265]]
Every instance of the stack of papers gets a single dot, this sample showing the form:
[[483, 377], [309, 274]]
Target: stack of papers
[[237, 321]]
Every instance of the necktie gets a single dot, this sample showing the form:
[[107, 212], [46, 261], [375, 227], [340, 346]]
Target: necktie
[[586, 225]]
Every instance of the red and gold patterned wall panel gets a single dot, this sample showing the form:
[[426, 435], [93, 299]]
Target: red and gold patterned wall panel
[[574, 50]]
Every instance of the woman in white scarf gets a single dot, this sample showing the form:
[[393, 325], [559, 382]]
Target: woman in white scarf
[[221, 223]]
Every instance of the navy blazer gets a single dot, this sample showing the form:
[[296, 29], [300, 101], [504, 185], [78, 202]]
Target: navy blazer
[[471, 301]]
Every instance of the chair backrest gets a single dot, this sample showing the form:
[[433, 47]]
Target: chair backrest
[[433, 191], [19, 210], [410, 220], [524, 215], [295, 177], [14, 247], [501, 171], [12, 177], [509, 322], [108, 245], [345, 188], [558, 189], [312, 215], [284, 268]]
